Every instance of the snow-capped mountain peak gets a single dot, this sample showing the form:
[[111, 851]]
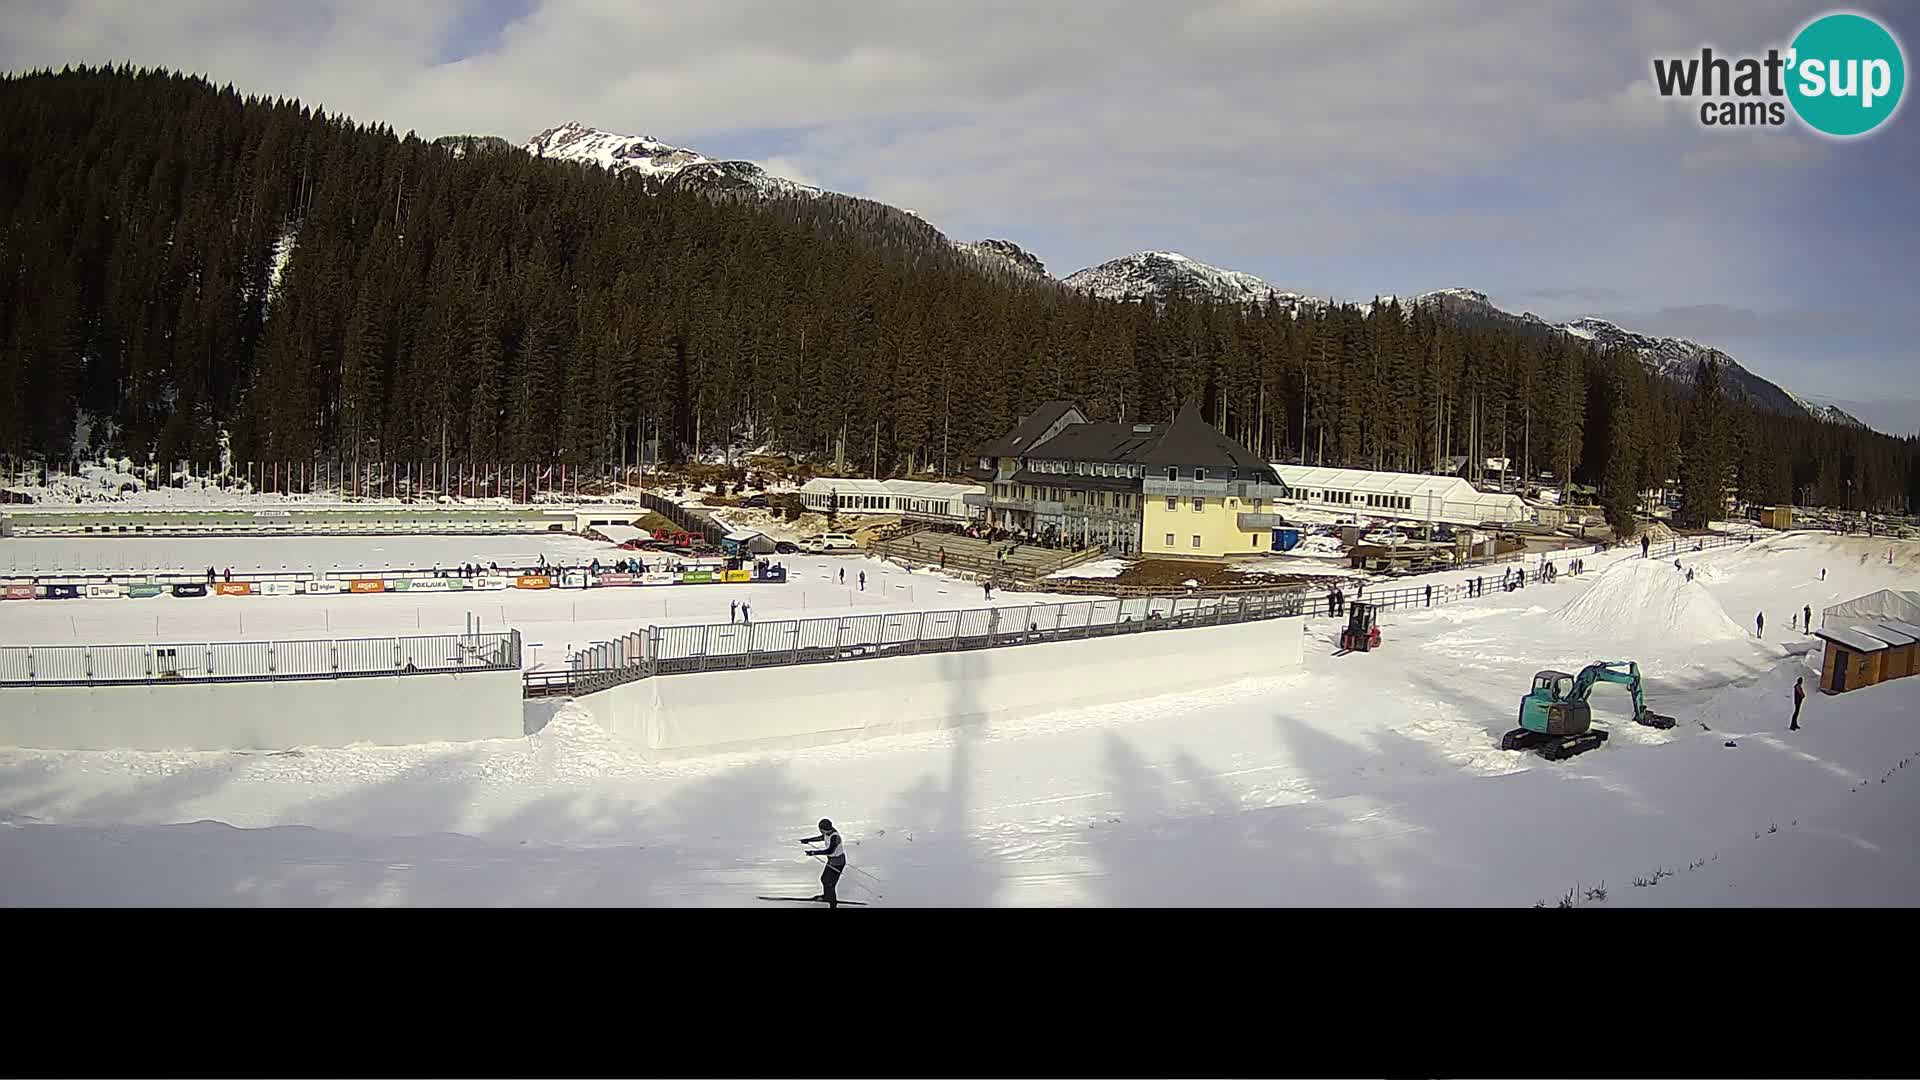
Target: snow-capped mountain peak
[[648, 156], [1006, 253], [1155, 275], [1671, 357]]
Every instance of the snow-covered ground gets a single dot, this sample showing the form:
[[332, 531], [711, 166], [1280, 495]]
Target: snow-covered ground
[[553, 623], [1369, 779]]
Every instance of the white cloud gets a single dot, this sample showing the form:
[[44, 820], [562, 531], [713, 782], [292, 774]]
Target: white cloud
[[1313, 128]]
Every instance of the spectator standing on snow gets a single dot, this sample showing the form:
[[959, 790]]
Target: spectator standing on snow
[[746, 613], [733, 611], [1799, 695], [1645, 543], [1429, 596], [863, 581], [843, 575], [1806, 623], [1759, 624]]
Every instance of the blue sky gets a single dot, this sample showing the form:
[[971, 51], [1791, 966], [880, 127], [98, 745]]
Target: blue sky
[[1331, 146]]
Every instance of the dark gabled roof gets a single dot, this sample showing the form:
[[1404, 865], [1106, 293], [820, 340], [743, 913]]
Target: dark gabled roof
[[1031, 426], [1099, 441], [1075, 480], [1192, 441]]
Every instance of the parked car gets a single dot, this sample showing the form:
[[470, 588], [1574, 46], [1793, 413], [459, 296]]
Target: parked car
[[757, 502], [829, 542], [1383, 537], [785, 547]]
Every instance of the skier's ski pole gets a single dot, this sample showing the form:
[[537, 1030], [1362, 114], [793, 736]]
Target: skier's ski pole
[[859, 871]]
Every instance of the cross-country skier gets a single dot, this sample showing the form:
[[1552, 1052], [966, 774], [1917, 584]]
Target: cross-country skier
[[836, 861]]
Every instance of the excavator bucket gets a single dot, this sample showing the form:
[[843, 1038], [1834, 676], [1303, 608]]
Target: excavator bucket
[[1652, 719]]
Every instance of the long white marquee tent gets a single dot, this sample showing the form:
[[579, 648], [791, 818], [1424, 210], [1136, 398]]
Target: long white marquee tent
[[1400, 496], [862, 496]]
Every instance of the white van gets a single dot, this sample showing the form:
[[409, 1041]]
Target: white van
[[828, 542]]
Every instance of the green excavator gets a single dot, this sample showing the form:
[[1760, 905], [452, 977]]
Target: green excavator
[[1555, 720]]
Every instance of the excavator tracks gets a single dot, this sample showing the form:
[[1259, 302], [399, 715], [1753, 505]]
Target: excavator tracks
[[1553, 747]]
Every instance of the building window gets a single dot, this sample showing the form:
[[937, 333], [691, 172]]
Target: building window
[[1169, 539], [1199, 504], [1256, 504], [1173, 502], [1196, 539], [1199, 474], [1173, 472]]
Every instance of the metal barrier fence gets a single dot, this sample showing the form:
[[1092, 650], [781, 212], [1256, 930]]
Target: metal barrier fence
[[256, 661], [667, 650]]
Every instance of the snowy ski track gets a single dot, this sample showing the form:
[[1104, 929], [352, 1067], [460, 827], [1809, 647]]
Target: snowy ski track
[[1368, 779]]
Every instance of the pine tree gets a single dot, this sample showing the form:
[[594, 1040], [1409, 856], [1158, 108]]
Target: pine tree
[[1704, 467]]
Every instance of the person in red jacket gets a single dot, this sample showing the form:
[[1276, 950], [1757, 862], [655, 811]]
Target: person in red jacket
[[1799, 695]]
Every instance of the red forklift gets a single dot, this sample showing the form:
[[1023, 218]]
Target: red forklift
[[1362, 633]]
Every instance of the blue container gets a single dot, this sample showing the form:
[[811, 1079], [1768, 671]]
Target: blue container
[[1286, 539]]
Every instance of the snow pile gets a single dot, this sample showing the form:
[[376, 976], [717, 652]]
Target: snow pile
[[1099, 568], [1657, 532], [1651, 597], [1319, 547]]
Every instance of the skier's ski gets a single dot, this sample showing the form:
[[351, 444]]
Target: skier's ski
[[812, 900]]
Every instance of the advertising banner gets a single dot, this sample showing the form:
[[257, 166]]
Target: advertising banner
[[573, 580], [234, 588], [696, 577], [657, 577], [491, 583], [276, 588], [190, 589], [18, 592], [60, 592], [618, 579], [143, 591], [366, 585], [98, 592], [323, 585], [739, 575], [533, 581]]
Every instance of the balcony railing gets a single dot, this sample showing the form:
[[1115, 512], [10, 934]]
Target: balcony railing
[[1256, 522], [1215, 489], [1052, 507]]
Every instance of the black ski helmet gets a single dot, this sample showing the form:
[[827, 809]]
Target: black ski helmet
[[825, 824]]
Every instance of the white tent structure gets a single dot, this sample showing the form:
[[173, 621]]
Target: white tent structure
[[1898, 605], [861, 496], [1400, 496]]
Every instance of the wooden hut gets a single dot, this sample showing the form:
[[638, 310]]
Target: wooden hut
[[1854, 658], [1903, 645]]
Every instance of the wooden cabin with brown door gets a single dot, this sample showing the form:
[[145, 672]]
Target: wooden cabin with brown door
[[1854, 658]]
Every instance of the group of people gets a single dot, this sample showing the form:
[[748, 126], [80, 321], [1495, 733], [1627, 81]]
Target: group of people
[[863, 578], [1337, 598], [739, 611]]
